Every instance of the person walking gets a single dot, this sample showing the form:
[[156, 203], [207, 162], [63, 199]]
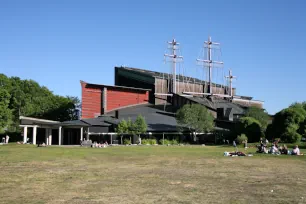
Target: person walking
[[235, 146], [7, 139]]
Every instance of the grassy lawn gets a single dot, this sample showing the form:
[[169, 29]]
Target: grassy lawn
[[148, 174]]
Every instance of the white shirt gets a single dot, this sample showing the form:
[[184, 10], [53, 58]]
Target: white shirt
[[296, 151]]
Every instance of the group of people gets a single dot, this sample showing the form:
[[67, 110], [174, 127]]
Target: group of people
[[276, 149], [99, 145], [5, 140]]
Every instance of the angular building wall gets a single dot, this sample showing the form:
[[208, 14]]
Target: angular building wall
[[118, 98], [99, 99], [91, 101]]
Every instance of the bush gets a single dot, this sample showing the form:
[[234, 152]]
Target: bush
[[166, 142], [241, 138], [145, 142], [174, 142], [149, 141], [169, 142], [127, 141], [153, 141]]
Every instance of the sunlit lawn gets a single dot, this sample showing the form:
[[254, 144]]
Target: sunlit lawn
[[148, 174]]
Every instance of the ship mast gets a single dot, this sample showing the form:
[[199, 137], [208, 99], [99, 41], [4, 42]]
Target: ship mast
[[208, 63], [230, 78], [174, 59]]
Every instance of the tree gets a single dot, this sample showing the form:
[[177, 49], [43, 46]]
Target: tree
[[132, 128], [122, 128], [28, 98], [289, 123], [5, 112], [196, 118], [259, 114], [250, 127], [140, 126], [291, 135]]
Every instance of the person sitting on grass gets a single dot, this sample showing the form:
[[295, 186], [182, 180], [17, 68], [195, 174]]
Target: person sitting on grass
[[283, 149], [296, 150], [274, 150], [261, 147]]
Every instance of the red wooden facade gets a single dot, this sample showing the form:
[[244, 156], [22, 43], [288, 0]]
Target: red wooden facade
[[99, 99]]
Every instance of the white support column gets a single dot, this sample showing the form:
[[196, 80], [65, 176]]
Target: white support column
[[87, 135], [81, 135], [50, 136], [62, 142], [25, 134], [47, 136], [60, 135], [34, 134]]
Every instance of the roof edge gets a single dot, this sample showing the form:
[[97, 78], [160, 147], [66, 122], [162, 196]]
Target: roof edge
[[114, 86]]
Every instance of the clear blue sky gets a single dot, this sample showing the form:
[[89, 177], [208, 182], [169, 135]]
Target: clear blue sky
[[60, 42]]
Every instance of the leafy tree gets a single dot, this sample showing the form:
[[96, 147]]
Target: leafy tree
[[130, 125], [289, 123], [5, 112], [140, 125], [291, 135], [28, 98], [241, 138], [259, 114], [269, 134], [122, 128], [196, 118], [132, 128], [250, 127]]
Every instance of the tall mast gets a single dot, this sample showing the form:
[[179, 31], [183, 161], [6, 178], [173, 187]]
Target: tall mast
[[208, 63], [174, 58], [230, 78]]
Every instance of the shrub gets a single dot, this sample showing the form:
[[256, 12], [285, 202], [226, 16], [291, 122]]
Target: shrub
[[241, 138], [169, 142], [149, 141], [127, 141], [166, 142], [174, 142], [153, 141], [145, 142]]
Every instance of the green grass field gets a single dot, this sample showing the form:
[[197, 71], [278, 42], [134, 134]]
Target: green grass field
[[148, 174]]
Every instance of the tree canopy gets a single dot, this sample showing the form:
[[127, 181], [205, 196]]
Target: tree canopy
[[139, 126], [259, 114], [289, 124], [27, 98], [250, 127], [195, 117]]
